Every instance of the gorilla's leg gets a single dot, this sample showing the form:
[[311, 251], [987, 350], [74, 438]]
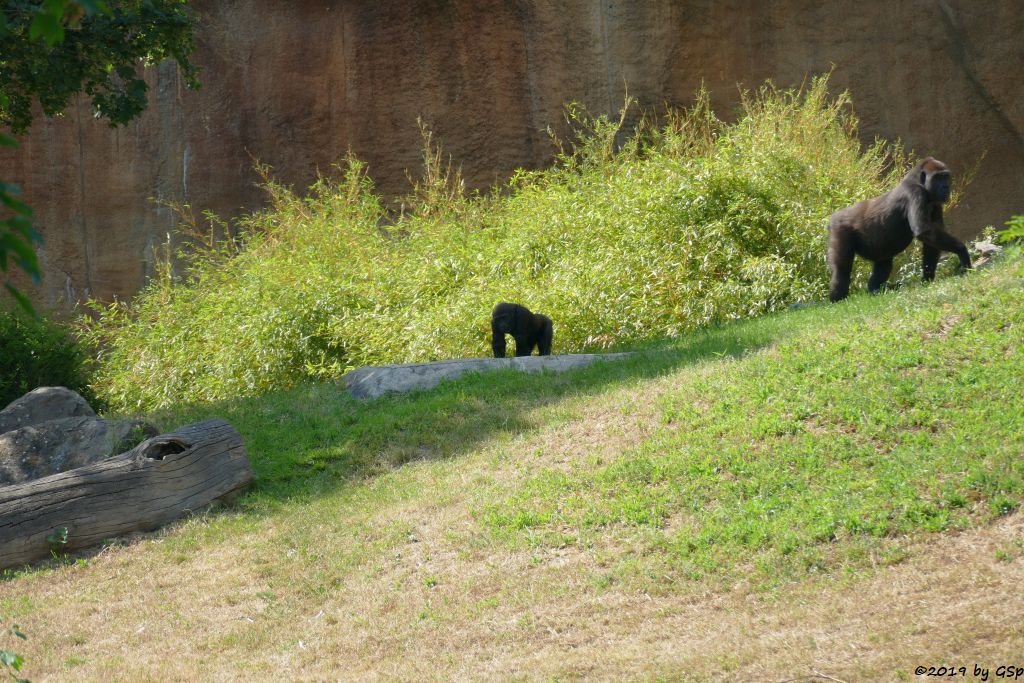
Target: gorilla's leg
[[547, 333], [879, 274], [929, 260], [840, 261], [524, 344]]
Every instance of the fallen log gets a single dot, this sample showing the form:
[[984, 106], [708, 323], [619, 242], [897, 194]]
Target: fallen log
[[156, 482]]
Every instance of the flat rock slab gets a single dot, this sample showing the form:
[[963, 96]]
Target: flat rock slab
[[377, 380]]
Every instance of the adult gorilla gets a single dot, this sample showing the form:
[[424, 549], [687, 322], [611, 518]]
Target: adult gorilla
[[878, 229], [528, 329]]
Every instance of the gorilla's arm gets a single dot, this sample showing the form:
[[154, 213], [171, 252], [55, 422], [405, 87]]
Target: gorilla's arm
[[941, 240], [927, 225], [497, 341]]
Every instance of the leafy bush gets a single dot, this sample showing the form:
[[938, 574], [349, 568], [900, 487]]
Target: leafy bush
[[1014, 231], [12, 661], [688, 222], [35, 352]]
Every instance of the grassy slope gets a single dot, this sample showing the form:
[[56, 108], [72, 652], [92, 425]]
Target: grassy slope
[[709, 510]]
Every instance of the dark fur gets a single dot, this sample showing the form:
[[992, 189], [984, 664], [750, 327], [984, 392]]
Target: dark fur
[[528, 329], [878, 229]]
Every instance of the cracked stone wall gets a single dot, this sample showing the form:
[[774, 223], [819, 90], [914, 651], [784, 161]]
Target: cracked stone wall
[[296, 84]]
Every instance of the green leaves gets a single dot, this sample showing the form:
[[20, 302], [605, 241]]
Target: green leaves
[[59, 537], [94, 7], [7, 193], [47, 26], [35, 352], [1014, 231], [51, 16], [101, 57], [17, 241], [12, 661]]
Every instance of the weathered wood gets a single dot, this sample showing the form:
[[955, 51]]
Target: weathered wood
[[156, 482]]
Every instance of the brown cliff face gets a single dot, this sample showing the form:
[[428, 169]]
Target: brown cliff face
[[296, 84]]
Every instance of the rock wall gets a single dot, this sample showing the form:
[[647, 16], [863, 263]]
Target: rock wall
[[297, 84]]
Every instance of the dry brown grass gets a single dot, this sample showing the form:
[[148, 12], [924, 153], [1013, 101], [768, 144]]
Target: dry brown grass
[[131, 617], [412, 590]]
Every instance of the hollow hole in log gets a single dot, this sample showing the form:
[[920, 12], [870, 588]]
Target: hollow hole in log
[[158, 450]]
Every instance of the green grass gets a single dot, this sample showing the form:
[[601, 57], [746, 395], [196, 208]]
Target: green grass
[[815, 446], [797, 442], [888, 416]]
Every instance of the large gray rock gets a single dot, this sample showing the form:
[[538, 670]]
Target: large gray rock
[[46, 448], [42, 404], [374, 381]]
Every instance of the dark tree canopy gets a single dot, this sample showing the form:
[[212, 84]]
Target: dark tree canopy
[[53, 50]]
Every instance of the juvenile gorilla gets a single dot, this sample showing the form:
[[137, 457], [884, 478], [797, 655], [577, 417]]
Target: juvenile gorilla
[[528, 329], [880, 228]]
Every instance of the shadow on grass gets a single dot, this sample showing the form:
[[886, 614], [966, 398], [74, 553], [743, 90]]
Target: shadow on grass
[[311, 439]]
